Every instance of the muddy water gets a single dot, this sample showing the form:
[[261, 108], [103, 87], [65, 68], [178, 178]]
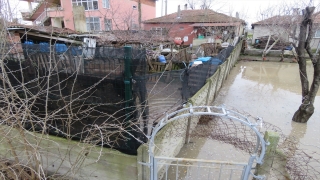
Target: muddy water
[[272, 91], [269, 90]]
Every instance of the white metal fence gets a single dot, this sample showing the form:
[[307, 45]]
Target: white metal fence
[[199, 169], [168, 167]]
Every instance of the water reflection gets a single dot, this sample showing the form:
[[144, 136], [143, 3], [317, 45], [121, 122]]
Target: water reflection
[[283, 76], [269, 90], [273, 91]]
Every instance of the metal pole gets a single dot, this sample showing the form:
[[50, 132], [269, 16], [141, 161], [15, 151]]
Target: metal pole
[[162, 8], [128, 87], [248, 168], [166, 7]]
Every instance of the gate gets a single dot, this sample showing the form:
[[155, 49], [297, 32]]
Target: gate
[[205, 169]]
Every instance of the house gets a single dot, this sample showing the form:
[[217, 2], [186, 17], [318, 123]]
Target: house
[[190, 25], [279, 26], [90, 15], [282, 26]]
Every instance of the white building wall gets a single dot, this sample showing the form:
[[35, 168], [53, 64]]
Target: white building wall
[[264, 30]]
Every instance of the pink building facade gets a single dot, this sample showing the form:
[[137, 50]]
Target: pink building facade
[[100, 15]]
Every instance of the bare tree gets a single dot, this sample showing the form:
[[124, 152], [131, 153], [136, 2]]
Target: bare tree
[[290, 25], [40, 94], [306, 108], [206, 4], [203, 4], [192, 3]]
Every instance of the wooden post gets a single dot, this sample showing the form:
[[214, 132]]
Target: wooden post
[[217, 82], [208, 102], [187, 140], [273, 139]]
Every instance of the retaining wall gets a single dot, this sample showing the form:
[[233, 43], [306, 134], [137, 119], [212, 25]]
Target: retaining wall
[[71, 159]]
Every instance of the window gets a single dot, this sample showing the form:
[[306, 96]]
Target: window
[[93, 24], [317, 34], [107, 24], [87, 4], [134, 26], [159, 31], [106, 3]]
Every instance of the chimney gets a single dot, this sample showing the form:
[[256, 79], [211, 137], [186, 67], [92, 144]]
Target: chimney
[[179, 11], [237, 15], [185, 6]]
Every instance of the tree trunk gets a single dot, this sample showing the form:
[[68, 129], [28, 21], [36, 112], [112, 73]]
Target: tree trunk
[[306, 109], [304, 112]]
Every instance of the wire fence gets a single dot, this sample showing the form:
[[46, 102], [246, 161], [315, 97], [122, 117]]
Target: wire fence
[[75, 93], [196, 76], [290, 160]]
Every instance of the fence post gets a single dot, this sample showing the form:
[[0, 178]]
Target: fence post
[[273, 139], [128, 75], [187, 140], [209, 80], [217, 83], [225, 73], [128, 88]]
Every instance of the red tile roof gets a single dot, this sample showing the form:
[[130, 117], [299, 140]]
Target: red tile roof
[[277, 20], [216, 24], [195, 16], [286, 20]]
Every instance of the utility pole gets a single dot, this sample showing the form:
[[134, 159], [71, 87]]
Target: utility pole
[[166, 8], [162, 8], [139, 11]]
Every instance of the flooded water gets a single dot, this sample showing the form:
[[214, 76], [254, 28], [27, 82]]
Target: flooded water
[[269, 90], [272, 91]]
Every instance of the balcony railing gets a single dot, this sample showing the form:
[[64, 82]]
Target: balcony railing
[[55, 9], [27, 15], [42, 18]]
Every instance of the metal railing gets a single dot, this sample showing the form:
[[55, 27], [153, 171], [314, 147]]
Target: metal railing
[[184, 168], [256, 157], [42, 18]]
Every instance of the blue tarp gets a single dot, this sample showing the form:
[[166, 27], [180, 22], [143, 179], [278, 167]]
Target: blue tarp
[[216, 61], [210, 60], [61, 48], [203, 59], [44, 47]]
